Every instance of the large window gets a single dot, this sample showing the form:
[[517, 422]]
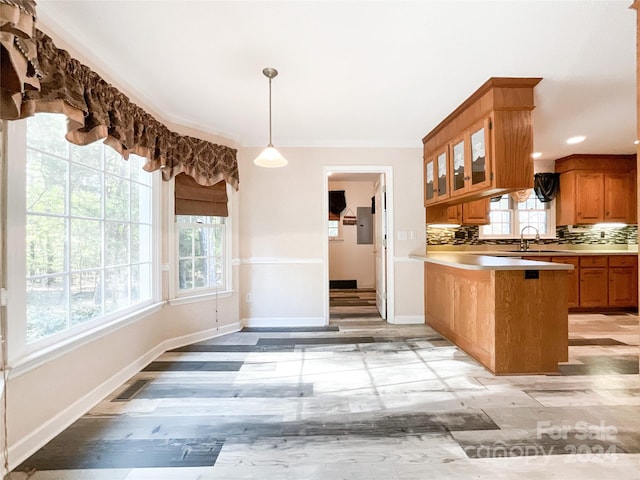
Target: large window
[[88, 231], [508, 217], [201, 253]]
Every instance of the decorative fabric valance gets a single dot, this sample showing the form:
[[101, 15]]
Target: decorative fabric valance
[[337, 203], [192, 198], [546, 186], [98, 111], [18, 60], [521, 195]]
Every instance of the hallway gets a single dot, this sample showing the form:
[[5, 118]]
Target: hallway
[[360, 401]]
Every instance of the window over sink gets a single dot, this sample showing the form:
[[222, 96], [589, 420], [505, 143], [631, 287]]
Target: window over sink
[[508, 217]]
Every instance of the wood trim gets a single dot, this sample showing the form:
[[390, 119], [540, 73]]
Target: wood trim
[[584, 161], [502, 100]]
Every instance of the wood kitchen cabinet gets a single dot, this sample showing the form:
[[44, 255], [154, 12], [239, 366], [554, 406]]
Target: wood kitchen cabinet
[[489, 141], [623, 281], [476, 213], [436, 177], [595, 189], [573, 280], [470, 155], [593, 281], [470, 213]]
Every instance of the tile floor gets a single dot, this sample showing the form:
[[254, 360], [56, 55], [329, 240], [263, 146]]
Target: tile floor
[[361, 400]]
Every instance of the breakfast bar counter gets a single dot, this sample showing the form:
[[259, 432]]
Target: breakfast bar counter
[[509, 314]]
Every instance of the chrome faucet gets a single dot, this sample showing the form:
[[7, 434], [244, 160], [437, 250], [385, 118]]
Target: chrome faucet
[[524, 244]]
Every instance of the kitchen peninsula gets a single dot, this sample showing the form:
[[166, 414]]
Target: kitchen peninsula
[[509, 314]]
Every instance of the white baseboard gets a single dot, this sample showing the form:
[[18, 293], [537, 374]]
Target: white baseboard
[[408, 319], [28, 445], [283, 322]]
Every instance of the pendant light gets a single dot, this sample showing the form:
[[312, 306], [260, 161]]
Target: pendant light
[[270, 157]]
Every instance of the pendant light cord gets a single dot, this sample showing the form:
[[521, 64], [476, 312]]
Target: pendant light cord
[[270, 144]]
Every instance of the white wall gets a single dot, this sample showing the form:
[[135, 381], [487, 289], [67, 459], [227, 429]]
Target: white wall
[[349, 260], [282, 233]]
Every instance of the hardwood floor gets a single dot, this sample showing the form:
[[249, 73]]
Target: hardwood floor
[[349, 305], [360, 401]]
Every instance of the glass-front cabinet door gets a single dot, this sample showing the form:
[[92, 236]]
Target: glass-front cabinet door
[[429, 181], [471, 159], [436, 176], [442, 177], [479, 158], [458, 151]]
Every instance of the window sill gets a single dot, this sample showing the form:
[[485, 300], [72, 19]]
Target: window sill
[[33, 360], [336, 239], [183, 300]]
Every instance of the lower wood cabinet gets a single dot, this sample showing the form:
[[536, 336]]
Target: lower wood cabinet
[[599, 281], [608, 281], [623, 281], [593, 287], [573, 279]]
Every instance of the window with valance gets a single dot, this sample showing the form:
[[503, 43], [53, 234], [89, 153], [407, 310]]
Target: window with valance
[[39, 77]]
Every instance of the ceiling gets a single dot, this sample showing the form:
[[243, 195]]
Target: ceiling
[[362, 73]]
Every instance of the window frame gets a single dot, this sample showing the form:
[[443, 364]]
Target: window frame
[[19, 351], [515, 227], [176, 296], [337, 238]]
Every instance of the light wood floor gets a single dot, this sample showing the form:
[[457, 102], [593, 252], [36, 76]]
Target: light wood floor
[[356, 402], [353, 305]]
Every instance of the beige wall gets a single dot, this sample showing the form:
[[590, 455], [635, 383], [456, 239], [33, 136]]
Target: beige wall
[[347, 259], [283, 244], [279, 251]]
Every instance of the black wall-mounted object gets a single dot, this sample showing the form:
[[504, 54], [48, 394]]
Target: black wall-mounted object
[[546, 186], [337, 201]]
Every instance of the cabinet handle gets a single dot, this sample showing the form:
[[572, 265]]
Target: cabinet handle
[[467, 178]]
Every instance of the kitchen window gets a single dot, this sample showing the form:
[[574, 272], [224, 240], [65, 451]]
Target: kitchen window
[[82, 242], [508, 217]]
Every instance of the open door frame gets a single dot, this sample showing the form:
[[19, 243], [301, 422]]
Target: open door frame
[[388, 172]]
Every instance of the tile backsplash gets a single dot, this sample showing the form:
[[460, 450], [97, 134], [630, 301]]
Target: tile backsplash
[[584, 235]]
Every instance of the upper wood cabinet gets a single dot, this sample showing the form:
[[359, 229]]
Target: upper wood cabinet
[[476, 213], [470, 213], [436, 176], [487, 144], [596, 188]]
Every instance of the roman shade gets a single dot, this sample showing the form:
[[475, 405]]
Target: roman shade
[[192, 198]]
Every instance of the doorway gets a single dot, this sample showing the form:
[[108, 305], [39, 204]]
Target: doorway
[[357, 257]]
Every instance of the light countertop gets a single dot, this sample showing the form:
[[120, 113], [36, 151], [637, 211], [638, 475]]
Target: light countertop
[[469, 261], [536, 250]]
